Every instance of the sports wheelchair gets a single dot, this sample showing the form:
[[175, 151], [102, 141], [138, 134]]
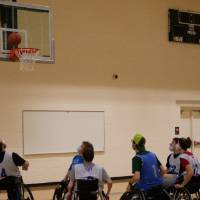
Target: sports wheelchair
[[16, 183], [194, 187], [88, 190], [157, 193]]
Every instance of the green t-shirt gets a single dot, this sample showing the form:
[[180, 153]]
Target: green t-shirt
[[137, 161]]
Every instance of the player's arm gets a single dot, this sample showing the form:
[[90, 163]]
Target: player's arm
[[136, 167], [108, 181], [25, 166], [162, 169], [74, 161], [189, 172], [135, 178], [66, 176], [20, 162], [71, 183]]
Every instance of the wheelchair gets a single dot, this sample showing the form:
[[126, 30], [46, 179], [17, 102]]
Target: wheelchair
[[88, 190], [157, 193], [60, 190], [194, 187], [190, 191], [179, 194], [24, 191]]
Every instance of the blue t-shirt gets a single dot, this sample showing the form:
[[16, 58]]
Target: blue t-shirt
[[76, 160]]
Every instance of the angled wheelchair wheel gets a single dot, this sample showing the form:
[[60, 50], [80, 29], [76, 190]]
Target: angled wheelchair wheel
[[182, 194], [60, 191], [133, 195], [26, 193], [197, 195]]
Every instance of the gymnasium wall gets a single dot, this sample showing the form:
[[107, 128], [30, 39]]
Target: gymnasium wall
[[93, 40]]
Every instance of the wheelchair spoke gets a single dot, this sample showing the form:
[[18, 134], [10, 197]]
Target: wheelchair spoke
[[27, 194], [182, 194]]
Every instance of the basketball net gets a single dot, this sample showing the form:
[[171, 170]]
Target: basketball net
[[26, 57]]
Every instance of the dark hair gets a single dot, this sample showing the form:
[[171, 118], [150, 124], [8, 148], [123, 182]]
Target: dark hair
[[2, 146], [185, 143], [175, 139], [141, 144], [88, 152]]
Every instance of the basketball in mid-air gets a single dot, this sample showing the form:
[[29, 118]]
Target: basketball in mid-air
[[14, 39]]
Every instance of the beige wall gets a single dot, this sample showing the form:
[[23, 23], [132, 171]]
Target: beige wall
[[95, 39]]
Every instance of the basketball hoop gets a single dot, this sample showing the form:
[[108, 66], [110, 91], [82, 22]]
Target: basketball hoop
[[26, 56]]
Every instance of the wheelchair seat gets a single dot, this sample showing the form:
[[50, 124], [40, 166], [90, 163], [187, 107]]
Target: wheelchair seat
[[87, 189]]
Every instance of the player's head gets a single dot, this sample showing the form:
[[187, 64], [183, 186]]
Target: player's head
[[2, 145], [173, 143], [80, 149], [88, 152], [138, 141]]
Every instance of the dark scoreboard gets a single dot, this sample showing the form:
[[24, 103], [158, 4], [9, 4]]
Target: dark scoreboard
[[184, 26]]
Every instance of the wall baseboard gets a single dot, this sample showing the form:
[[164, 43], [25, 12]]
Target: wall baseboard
[[118, 178]]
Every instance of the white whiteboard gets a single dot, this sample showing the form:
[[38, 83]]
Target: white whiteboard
[[47, 132]]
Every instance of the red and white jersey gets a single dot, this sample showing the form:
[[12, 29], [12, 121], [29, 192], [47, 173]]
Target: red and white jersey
[[194, 162]]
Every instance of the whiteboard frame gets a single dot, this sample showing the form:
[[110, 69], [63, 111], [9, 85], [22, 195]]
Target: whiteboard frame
[[69, 152]]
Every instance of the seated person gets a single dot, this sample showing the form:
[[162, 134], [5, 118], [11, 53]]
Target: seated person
[[193, 177], [187, 143], [146, 168], [87, 170], [77, 159], [180, 164], [9, 171], [173, 165]]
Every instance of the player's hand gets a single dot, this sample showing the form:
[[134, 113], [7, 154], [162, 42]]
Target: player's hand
[[128, 188], [107, 197], [68, 196]]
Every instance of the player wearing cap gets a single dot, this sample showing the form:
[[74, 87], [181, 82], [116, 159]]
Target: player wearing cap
[[146, 167]]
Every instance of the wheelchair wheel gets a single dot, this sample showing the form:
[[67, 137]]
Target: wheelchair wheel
[[133, 195], [26, 193], [60, 191], [182, 194]]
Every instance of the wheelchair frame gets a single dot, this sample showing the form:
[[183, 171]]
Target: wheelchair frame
[[170, 194], [25, 192]]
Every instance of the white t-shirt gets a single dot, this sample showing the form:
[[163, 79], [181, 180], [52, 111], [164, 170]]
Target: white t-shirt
[[8, 167], [86, 170]]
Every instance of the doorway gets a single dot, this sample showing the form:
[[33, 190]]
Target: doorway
[[190, 127]]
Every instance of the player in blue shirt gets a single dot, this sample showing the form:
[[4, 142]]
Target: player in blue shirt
[[146, 167], [77, 159]]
